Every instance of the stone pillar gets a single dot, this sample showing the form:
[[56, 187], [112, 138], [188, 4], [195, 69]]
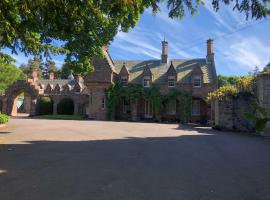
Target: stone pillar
[[224, 113], [33, 107], [263, 94]]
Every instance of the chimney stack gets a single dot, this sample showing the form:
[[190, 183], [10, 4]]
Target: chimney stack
[[210, 50], [51, 75], [164, 55]]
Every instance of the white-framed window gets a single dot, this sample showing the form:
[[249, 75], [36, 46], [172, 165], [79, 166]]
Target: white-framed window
[[171, 107], [103, 104], [124, 80], [171, 81], [196, 107], [146, 81], [197, 81]]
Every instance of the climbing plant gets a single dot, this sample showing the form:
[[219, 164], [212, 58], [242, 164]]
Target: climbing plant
[[134, 92]]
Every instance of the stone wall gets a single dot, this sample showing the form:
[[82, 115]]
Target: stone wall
[[263, 94], [230, 114]]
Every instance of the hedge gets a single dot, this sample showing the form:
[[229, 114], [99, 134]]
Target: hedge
[[3, 118], [65, 107], [45, 106]]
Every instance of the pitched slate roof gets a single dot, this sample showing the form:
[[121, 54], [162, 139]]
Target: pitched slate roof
[[61, 82], [183, 69]]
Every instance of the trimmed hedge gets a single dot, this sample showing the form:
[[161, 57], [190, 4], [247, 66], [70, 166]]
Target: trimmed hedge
[[3, 118], [45, 106], [65, 107]]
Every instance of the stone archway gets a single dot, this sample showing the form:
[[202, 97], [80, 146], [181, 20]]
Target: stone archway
[[30, 91]]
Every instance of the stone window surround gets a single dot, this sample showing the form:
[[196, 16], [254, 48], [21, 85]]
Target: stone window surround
[[197, 81], [124, 81], [146, 81], [171, 81]]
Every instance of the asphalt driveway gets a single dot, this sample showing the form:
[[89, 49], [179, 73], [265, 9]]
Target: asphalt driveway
[[64, 160]]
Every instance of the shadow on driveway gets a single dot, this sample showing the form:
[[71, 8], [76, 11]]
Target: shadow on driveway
[[188, 167]]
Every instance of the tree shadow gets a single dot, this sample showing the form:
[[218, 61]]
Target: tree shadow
[[205, 166]]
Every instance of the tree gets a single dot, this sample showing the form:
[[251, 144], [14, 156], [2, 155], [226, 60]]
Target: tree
[[79, 28], [65, 71], [227, 80], [9, 73], [34, 63], [49, 66]]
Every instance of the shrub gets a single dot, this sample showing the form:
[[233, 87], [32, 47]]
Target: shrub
[[45, 106], [244, 85], [65, 107], [3, 118], [260, 117]]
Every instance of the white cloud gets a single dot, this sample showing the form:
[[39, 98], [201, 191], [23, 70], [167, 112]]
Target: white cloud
[[248, 53]]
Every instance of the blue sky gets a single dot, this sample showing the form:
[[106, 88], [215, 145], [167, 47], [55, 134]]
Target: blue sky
[[240, 45]]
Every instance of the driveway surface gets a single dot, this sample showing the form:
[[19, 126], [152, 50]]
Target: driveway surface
[[95, 160]]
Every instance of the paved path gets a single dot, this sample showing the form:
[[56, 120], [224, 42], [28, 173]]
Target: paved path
[[64, 160]]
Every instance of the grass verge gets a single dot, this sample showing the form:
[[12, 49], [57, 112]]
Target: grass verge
[[59, 117]]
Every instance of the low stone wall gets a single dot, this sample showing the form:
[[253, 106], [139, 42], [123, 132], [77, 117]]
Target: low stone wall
[[230, 113]]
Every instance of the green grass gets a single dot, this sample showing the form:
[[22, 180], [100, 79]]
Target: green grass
[[59, 117]]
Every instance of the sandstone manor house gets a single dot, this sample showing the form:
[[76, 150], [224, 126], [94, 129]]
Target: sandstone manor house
[[88, 94]]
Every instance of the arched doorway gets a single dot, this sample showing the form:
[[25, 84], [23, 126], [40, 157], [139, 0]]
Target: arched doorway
[[20, 99], [65, 107]]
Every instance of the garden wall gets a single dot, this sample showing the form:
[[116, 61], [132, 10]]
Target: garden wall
[[230, 113]]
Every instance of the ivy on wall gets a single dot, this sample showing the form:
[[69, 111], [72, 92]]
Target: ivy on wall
[[134, 92]]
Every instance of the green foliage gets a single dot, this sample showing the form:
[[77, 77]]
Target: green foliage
[[256, 9], [259, 117], [134, 92], [241, 85], [49, 66], [4, 118], [83, 27], [60, 117], [227, 80], [34, 63], [65, 107], [9, 74], [44, 106]]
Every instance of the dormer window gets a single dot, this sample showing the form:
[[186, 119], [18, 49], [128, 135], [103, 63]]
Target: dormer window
[[146, 81], [197, 81], [124, 81], [171, 81]]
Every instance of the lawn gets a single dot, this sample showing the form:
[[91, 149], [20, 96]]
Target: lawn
[[59, 117]]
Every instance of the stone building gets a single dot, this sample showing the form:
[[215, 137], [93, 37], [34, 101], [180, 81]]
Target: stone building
[[197, 76]]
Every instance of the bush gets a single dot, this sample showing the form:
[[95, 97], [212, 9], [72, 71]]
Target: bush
[[65, 107], [45, 106], [3, 118]]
